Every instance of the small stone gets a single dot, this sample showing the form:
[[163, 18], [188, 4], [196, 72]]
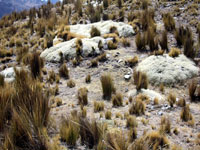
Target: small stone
[[127, 77], [126, 89], [119, 61], [160, 113]]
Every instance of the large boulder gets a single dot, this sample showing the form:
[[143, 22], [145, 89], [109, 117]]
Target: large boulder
[[168, 70], [124, 29], [68, 49]]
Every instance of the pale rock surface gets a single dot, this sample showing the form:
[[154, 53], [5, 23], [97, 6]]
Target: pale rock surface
[[150, 93], [168, 70], [124, 29], [68, 49], [57, 40], [9, 74]]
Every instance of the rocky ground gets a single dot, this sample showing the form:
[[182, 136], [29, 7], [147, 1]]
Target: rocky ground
[[116, 66]]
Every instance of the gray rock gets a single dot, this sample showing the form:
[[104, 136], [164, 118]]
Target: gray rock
[[160, 113]]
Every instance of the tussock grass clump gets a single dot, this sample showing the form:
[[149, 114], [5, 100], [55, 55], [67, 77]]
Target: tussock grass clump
[[29, 117], [113, 29], [181, 102], [186, 114], [143, 97], [156, 101], [71, 83], [102, 57], [2, 82], [132, 134], [95, 32], [94, 63], [5, 53], [151, 39], [88, 78], [165, 125], [84, 112], [174, 52], [162, 87], [192, 88], [179, 35], [126, 42], [5, 104], [131, 122], [105, 4], [169, 22], [69, 132], [156, 140], [98, 106], [58, 101], [151, 141], [108, 115], [51, 76], [140, 80], [91, 132], [116, 140], [64, 71], [107, 86], [21, 53], [138, 107], [147, 19], [119, 3], [117, 100], [36, 65], [112, 45], [158, 52], [140, 42], [164, 41], [132, 62], [82, 96], [171, 99], [189, 49], [144, 4]]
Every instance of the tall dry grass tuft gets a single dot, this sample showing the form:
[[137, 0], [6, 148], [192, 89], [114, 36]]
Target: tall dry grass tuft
[[91, 132], [27, 110], [36, 65], [2, 82], [107, 86], [140, 80], [164, 41]]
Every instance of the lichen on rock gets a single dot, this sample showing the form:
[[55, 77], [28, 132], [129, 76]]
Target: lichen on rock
[[167, 70]]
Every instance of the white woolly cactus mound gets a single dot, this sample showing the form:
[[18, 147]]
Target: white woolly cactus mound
[[168, 70], [123, 29]]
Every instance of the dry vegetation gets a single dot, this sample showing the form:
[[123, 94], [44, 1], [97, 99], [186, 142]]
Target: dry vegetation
[[84, 103]]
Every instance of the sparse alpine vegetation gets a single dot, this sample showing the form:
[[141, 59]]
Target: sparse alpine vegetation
[[102, 75]]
